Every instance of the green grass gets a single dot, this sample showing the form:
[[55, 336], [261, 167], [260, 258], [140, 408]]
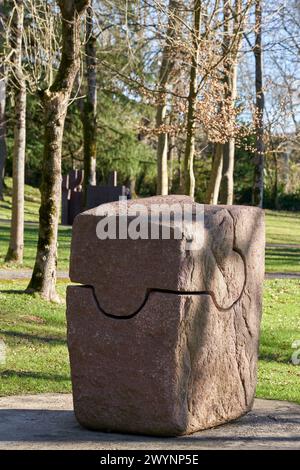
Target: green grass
[[283, 227], [30, 241], [285, 260], [34, 332], [32, 204], [278, 377]]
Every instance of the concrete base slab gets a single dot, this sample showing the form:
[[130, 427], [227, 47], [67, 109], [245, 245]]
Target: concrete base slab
[[47, 421]]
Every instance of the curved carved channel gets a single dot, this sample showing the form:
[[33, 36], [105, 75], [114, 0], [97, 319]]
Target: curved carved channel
[[175, 292]]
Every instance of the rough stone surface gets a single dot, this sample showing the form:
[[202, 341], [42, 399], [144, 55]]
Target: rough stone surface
[[164, 264], [162, 340], [47, 421]]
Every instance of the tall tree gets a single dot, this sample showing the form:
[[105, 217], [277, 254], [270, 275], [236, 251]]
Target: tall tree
[[213, 188], [161, 111], [232, 40], [258, 179], [189, 177], [3, 150], [55, 102], [16, 244], [89, 113]]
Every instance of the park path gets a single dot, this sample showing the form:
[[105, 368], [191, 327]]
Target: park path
[[10, 274], [47, 421]]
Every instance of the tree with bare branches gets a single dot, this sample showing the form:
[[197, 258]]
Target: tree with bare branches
[[167, 63], [3, 149], [89, 109], [17, 80], [258, 179], [55, 101]]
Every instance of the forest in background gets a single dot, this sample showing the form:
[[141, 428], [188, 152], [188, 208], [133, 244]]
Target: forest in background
[[129, 38], [181, 96]]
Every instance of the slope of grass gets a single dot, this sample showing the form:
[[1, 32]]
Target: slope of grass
[[285, 260], [34, 333], [30, 241], [32, 203], [283, 227], [278, 377]]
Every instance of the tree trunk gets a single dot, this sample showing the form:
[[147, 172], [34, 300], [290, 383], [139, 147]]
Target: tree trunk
[[3, 150], [227, 183], [230, 77], [212, 193], [132, 186], [189, 177], [16, 243], [171, 158], [161, 112], [162, 152], [90, 107], [258, 179], [55, 102], [226, 192], [275, 182]]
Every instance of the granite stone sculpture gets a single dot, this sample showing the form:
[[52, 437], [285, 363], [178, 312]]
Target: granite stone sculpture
[[164, 340]]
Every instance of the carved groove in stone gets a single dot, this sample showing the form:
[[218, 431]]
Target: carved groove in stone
[[181, 292]]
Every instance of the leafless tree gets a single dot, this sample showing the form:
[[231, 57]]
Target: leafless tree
[[3, 149], [55, 102], [258, 180], [167, 64], [89, 111], [16, 244]]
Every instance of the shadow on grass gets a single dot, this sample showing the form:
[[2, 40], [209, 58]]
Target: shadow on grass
[[283, 256], [280, 214], [31, 337], [13, 291], [33, 375], [274, 358]]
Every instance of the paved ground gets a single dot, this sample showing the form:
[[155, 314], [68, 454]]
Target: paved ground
[[47, 422]]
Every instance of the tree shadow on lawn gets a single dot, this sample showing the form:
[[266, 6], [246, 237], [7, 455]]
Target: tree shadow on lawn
[[5, 374], [12, 291], [283, 253], [274, 358], [29, 337]]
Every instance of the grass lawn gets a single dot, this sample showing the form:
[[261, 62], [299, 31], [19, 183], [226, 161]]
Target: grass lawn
[[285, 260], [283, 227], [37, 360], [278, 378], [30, 241], [34, 332], [32, 204]]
